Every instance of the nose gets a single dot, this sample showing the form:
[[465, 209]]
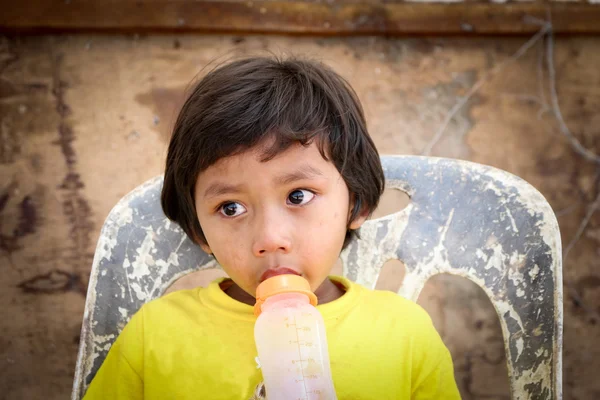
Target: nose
[[272, 235]]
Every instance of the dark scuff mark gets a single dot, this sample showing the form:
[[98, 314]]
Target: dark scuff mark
[[5, 195], [78, 213], [55, 281], [165, 104], [467, 380], [65, 141], [479, 325], [10, 146], [28, 218], [75, 207], [58, 90], [7, 55], [72, 182], [9, 89]]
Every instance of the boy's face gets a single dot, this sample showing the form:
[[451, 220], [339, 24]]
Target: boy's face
[[260, 217]]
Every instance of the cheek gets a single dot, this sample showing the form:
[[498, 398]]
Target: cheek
[[220, 241], [336, 215], [232, 260], [326, 237], [227, 246]]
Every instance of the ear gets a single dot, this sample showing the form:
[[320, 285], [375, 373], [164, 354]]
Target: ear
[[359, 220], [205, 247]]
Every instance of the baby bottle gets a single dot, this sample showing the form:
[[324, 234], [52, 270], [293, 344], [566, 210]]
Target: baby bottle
[[290, 340]]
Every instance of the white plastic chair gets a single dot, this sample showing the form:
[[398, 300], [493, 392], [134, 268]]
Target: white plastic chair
[[464, 219]]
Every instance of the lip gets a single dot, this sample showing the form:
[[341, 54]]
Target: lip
[[271, 272]]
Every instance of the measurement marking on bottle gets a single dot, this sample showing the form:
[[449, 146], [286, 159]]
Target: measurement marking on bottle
[[302, 328], [301, 344], [301, 368]]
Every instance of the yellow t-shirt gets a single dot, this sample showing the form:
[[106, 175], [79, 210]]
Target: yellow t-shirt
[[199, 344]]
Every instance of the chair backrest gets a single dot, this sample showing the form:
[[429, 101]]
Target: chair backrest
[[464, 219]]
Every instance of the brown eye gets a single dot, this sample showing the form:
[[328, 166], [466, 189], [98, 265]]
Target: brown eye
[[300, 196], [232, 209]]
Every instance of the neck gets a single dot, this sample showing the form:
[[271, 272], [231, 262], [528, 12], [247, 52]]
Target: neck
[[327, 292]]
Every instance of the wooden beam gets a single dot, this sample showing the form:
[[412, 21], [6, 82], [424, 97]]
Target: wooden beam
[[326, 17]]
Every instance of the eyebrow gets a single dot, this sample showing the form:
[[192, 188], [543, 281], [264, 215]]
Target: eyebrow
[[219, 189], [304, 172]]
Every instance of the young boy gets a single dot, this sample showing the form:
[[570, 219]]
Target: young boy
[[271, 170]]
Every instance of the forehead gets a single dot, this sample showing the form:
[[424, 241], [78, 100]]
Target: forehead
[[251, 165]]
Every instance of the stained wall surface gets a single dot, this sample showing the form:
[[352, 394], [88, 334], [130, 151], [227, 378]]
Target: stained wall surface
[[84, 119]]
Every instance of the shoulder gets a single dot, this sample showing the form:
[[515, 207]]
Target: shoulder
[[164, 315], [405, 323], [414, 323], [172, 302], [394, 306]]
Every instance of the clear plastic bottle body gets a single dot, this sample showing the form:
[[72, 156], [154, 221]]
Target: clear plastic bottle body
[[292, 349]]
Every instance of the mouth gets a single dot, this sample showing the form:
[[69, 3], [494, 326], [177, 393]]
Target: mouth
[[271, 272]]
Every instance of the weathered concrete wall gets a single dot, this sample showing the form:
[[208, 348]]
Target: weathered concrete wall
[[84, 119]]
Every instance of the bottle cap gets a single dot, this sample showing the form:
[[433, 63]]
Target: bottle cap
[[279, 284]]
